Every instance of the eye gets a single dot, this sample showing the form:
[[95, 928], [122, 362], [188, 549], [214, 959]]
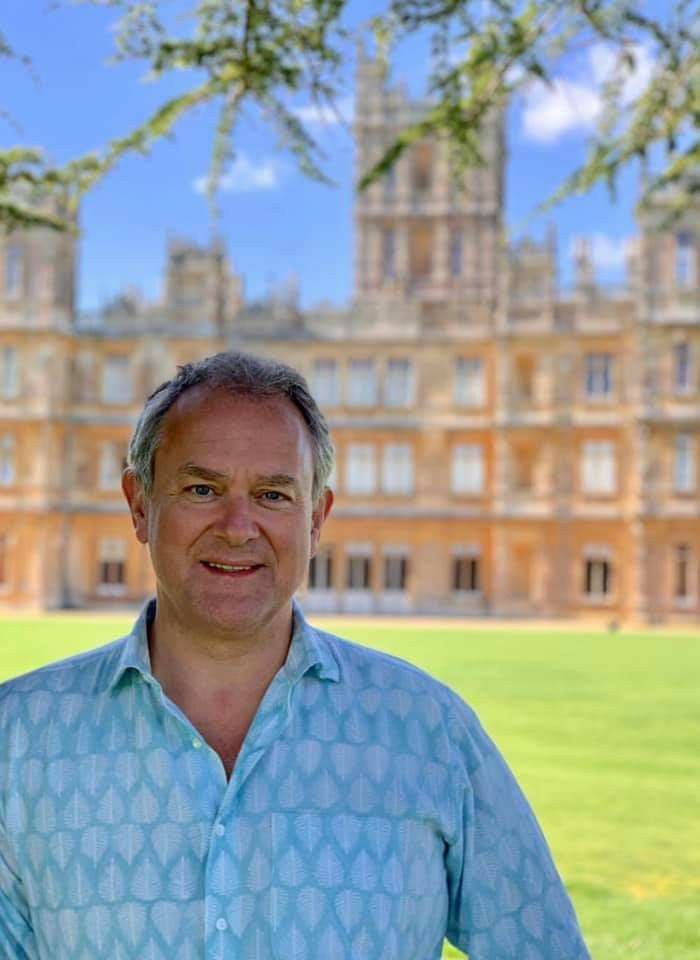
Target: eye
[[200, 490], [273, 496]]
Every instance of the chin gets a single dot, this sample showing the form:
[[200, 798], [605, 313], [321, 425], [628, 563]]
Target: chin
[[225, 616]]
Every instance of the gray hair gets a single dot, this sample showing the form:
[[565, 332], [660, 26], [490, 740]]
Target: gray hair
[[241, 374]]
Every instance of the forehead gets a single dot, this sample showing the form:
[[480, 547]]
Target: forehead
[[229, 430]]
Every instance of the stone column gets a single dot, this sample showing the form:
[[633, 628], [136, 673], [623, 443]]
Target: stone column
[[499, 597], [440, 253], [373, 255], [402, 253]]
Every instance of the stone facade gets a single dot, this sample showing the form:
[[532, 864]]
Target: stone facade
[[503, 448]]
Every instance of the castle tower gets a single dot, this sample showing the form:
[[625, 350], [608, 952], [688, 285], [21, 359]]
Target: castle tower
[[667, 535], [37, 279], [584, 270], [202, 293], [37, 289], [427, 247]]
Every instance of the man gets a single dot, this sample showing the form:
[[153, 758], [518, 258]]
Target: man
[[228, 782]]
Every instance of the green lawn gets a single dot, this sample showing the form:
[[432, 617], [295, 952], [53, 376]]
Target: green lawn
[[603, 732]]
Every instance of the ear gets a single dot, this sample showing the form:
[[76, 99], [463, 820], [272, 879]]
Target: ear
[[318, 517], [138, 505]]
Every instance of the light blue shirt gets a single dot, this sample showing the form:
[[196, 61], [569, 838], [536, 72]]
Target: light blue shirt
[[368, 816]]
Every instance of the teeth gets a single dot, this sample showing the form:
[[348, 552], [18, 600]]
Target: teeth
[[225, 566]]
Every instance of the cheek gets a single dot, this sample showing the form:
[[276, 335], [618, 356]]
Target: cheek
[[171, 526], [295, 541]]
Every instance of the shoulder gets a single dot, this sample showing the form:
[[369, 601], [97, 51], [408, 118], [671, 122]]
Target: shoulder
[[409, 693], [84, 675], [361, 666]]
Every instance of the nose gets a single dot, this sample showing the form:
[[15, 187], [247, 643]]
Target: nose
[[235, 523]]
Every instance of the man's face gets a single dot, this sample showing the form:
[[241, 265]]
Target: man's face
[[232, 489]]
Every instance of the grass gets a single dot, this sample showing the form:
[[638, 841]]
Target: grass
[[602, 731]]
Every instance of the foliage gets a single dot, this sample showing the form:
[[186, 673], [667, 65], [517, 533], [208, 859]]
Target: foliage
[[264, 53], [480, 61]]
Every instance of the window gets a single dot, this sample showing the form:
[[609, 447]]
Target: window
[[395, 571], [362, 386], [456, 252], [359, 571], [398, 386], [45, 281], [13, 272], [112, 563], [422, 167], [599, 467], [3, 558], [360, 469], [326, 387], [685, 259], [598, 375], [7, 460], [469, 382], [524, 378], [397, 468], [389, 254], [82, 464], [681, 367], [468, 468], [116, 383], [84, 385], [684, 465], [390, 183], [681, 579], [9, 373], [465, 573], [321, 570], [522, 468], [420, 252], [110, 466], [597, 577]]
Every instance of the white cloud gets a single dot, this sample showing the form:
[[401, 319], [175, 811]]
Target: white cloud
[[607, 253], [326, 115], [550, 111], [244, 176]]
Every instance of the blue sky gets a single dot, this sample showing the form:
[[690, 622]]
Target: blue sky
[[275, 222]]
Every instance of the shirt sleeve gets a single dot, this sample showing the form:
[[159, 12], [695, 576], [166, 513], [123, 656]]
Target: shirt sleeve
[[506, 899], [17, 941]]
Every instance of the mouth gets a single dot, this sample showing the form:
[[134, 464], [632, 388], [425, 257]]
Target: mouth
[[231, 570]]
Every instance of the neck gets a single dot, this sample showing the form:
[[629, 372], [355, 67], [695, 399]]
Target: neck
[[218, 667]]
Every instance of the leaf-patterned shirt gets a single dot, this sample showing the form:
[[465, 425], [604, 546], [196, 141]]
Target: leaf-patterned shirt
[[368, 816]]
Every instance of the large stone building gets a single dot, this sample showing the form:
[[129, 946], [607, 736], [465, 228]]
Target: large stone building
[[502, 448]]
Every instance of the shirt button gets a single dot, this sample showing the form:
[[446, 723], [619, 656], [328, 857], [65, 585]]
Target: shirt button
[[196, 743], [221, 924], [220, 829]]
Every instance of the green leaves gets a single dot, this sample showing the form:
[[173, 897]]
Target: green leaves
[[656, 123], [30, 194], [261, 52], [266, 53]]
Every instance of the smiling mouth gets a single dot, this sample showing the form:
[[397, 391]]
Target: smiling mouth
[[231, 569]]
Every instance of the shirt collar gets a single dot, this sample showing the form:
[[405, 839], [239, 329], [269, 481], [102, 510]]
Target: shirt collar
[[308, 650], [135, 654]]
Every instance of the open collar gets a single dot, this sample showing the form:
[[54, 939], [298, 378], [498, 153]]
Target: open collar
[[308, 650]]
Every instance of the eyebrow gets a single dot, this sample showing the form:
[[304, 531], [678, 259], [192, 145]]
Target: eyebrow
[[267, 479], [194, 470]]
